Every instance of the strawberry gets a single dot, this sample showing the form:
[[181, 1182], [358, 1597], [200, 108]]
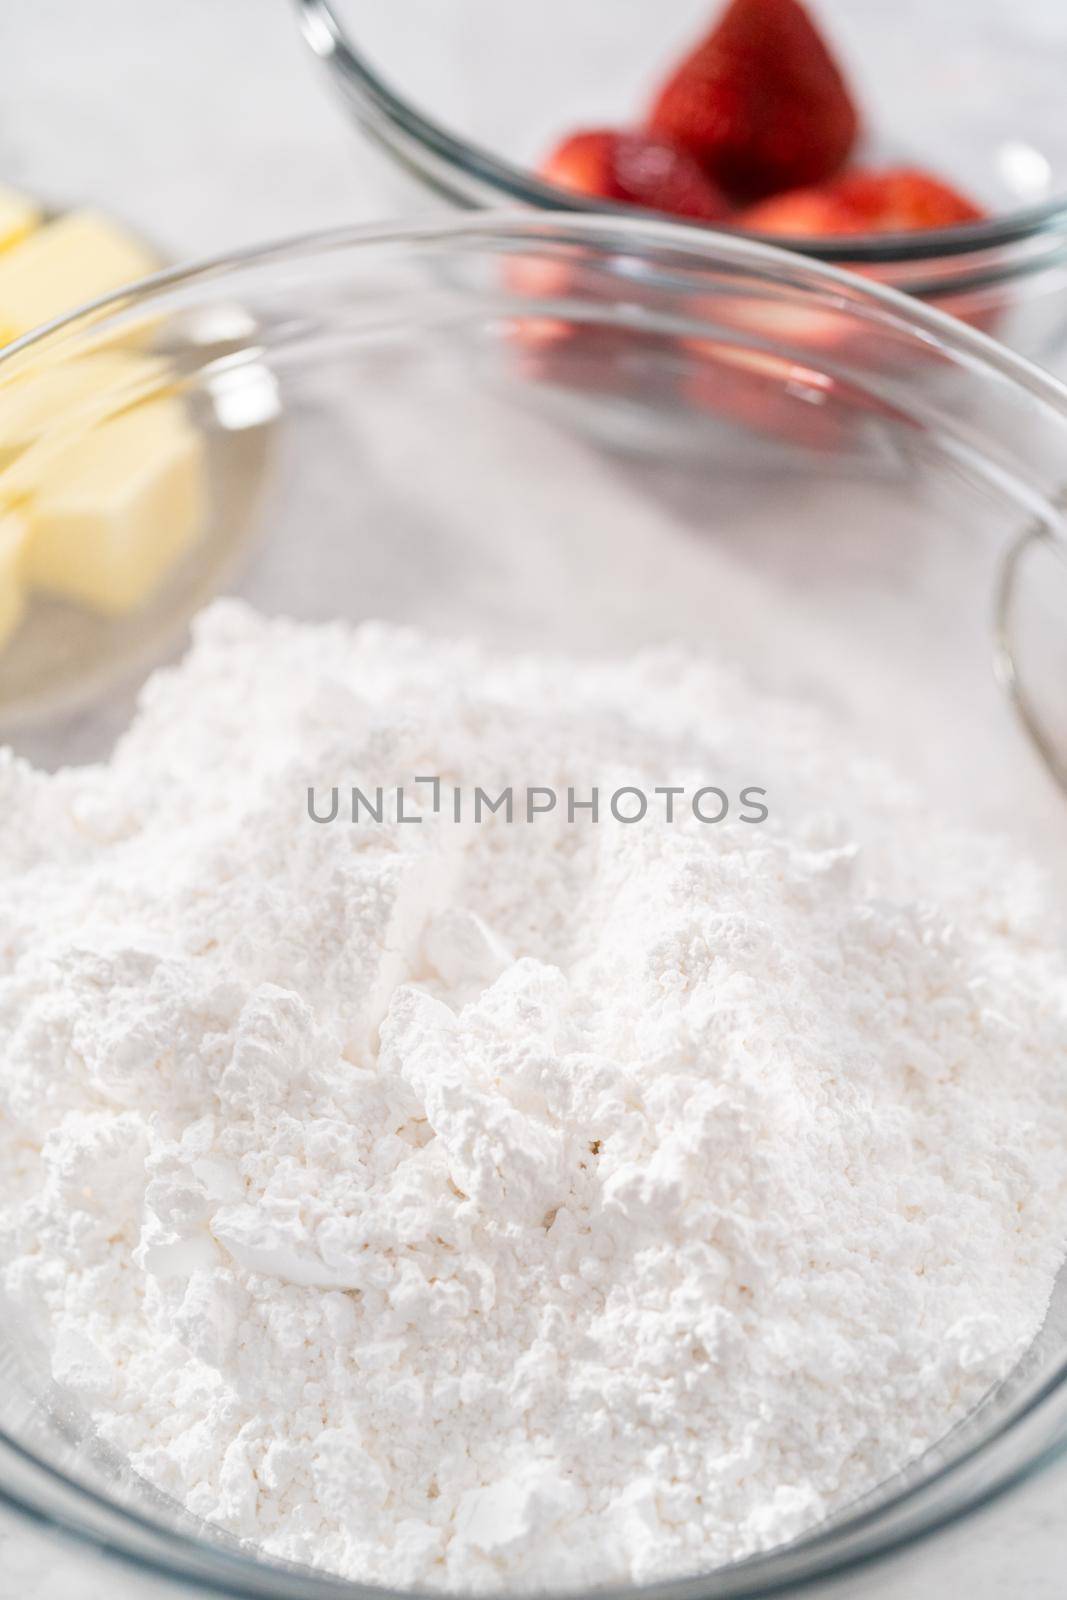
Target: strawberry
[[640, 169], [760, 102], [795, 401], [901, 200], [765, 394], [537, 278], [776, 384]]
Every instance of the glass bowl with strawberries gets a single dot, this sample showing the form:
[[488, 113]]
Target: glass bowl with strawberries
[[922, 146]]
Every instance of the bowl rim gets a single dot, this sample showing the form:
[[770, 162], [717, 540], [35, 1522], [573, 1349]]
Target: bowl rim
[[387, 115], [850, 1542], [610, 231]]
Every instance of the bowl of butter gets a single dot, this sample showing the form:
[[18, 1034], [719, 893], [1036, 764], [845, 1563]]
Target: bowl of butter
[[109, 484]]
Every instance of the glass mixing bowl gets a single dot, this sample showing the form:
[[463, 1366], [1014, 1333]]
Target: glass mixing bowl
[[467, 98], [588, 433]]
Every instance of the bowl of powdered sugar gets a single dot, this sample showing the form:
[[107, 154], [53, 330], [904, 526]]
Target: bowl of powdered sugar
[[534, 1003]]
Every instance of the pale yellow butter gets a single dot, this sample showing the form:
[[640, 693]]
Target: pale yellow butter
[[76, 258], [18, 216], [13, 534], [117, 509], [72, 394]]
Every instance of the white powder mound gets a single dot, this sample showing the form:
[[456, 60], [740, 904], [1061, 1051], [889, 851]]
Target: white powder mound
[[515, 1204]]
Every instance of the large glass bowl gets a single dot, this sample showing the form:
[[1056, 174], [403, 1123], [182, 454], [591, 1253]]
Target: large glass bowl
[[466, 98], [587, 433]]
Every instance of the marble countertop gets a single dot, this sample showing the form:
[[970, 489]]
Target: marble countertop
[[206, 124]]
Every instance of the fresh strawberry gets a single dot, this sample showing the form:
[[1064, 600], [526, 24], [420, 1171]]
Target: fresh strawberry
[[640, 169], [902, 200], [770, 376], [813, 213], [906, 199], [535, 279], [765, 394], [761, 102], [795, 401]]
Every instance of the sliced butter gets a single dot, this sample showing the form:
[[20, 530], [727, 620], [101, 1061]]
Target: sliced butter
[[18, 216], [13, 534], [76, 258], [117, 509], [71, 394]]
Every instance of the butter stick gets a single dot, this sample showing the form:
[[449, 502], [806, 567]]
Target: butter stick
[[118, 509], [13, 535], [72, 394], [18, 216], [76, 258]]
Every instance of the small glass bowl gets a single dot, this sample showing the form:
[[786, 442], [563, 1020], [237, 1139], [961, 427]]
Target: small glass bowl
[[591, 434], [466, 99]]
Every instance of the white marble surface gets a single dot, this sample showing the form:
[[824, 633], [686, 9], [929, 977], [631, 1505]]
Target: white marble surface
[[204, 123]]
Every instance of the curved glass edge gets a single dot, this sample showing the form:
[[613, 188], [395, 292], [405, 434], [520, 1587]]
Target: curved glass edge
[[141, 1544]]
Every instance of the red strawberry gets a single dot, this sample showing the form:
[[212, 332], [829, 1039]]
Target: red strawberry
[[796, 401], [761, 101], [766, 394], [639, 168], [902, 200], [783, 390], [537, 278]]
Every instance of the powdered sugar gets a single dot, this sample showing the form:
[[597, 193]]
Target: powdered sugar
[[504, 1203]]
